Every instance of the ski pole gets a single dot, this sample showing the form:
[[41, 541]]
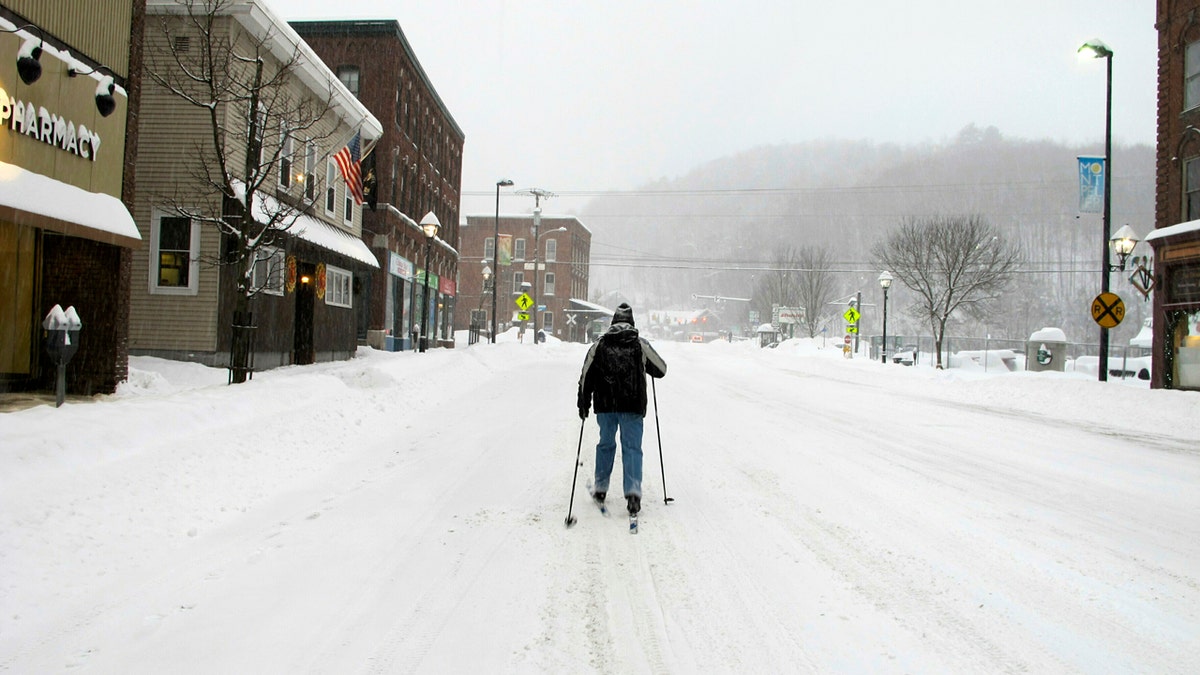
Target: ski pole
[[570, 518], [658, 431]]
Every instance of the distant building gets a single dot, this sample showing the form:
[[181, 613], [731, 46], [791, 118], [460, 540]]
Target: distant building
[[564, 259], [1176, 239], [67, 148], [416, 169]]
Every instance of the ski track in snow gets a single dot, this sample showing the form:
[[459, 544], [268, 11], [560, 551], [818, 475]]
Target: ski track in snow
[[825, 519]]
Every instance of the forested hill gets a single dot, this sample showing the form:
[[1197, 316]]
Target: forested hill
[[738, 211]]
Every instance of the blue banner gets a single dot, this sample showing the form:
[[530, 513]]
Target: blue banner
[[1091, 184]]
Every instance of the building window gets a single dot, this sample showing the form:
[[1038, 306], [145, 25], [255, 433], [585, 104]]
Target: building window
[[518, 279], [286, 149], [349, 77], [174, 255], [519, 249], [268, 271], [548, 321], [1191, 76], [331, 174], [551, 250], [310, 171], [549, 283], [489, 248], [348, 203], [337, 287], [1191, 178]]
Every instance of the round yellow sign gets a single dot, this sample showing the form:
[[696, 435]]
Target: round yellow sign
[[1108, 310]]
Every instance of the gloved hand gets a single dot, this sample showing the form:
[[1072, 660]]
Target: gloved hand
[[583, 413]]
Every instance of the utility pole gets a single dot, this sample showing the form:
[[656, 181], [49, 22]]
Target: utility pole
[[538, 195]]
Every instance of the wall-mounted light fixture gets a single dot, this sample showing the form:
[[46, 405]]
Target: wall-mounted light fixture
[[106, 103], [29, 64]]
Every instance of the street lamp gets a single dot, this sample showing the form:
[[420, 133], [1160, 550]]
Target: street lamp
[[496, 249], [885, 280], [537, 238], [430, 225], [1098, 50], [1122, 244]]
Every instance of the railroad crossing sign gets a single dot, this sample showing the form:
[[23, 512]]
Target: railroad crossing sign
[[1108, 310], [851, 315], [524, 301]]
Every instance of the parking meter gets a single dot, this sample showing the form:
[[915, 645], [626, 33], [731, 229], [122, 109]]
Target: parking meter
[[61, 335]]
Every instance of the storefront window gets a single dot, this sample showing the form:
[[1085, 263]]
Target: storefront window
[[1185, 349]]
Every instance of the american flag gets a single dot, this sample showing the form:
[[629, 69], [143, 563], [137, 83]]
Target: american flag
[[348, 162]]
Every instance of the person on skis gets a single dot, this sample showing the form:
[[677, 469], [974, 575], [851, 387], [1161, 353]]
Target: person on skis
[[613, 381]]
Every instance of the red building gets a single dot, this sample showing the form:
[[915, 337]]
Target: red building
[[415, 169], [563, 254], [1176, 239]]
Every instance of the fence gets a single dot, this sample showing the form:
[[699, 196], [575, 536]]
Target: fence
[[1123, 361]]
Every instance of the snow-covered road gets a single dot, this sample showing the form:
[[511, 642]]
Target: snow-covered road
[[404, 513]]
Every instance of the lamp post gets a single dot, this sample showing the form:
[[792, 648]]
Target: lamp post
[[537, 238], [885, 280], [430, 225], [1097, 49], [496, 250]]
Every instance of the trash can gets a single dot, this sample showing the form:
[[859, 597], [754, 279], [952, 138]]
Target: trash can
[[1046, 349]]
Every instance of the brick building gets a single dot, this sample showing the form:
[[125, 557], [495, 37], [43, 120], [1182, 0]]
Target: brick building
[[1176, 239], [416, 169], [69, 74], [563, 257]]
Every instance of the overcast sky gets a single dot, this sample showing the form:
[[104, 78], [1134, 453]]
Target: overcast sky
[[593, 96]]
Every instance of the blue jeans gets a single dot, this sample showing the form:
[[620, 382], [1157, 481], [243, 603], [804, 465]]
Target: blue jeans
[[630, 425]]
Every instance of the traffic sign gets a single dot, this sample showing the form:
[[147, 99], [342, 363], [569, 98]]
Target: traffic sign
[[849, 339], [1108, 310], [851, 329], [851, 315], [522, 316], [524, 301]]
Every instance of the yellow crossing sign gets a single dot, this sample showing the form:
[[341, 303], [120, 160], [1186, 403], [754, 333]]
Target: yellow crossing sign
[[851, 315], [1108, 310], [524, 301]]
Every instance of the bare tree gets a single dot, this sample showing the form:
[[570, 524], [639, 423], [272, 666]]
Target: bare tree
[[814, 285], [798, 277], [952, 263], [259, 120]]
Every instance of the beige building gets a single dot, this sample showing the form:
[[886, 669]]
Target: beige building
[[306, 278], [66, 234]]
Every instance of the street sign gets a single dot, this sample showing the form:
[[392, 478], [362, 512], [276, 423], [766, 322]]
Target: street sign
[[849, 339], [1108, 310], [851, 315], [522, 316], [851, 329], [524, 301]]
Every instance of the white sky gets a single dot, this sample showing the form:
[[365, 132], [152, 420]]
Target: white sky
[[572, 96]]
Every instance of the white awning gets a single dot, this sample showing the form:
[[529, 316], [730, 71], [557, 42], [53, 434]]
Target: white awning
[[29, 198], [312, 229], [1174, 230]]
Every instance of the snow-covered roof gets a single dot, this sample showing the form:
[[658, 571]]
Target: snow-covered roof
[[1174, 230], [256, 16], [416, 226], [66, 208], [491, 217], [584, 304]]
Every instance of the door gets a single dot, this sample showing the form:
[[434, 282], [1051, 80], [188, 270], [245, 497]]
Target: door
[[306, 294]]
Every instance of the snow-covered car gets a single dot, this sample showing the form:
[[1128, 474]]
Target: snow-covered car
[[906, 355]]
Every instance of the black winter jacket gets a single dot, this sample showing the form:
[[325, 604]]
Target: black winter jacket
[[614, 372]]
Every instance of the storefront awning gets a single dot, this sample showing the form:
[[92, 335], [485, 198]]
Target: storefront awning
[[313, 230], [31, 199]]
